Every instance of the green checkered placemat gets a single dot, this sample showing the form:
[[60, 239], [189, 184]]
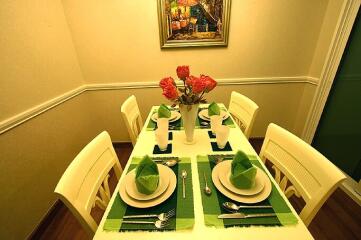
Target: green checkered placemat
[[212, 204], [178, 125], [184, 218]]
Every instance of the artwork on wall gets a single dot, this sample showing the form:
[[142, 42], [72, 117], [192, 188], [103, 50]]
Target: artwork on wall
[[189, 23]]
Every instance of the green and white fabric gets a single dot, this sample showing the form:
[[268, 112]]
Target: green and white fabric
[[184, 218], [147, 176], [163, 111], [243, 173], [212, 204], [213, 109]]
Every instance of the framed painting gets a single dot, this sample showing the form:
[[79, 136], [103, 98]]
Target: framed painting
[[190, 23]]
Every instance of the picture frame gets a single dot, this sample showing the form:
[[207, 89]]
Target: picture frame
[[193, 23]]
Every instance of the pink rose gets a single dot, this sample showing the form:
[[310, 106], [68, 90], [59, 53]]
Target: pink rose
[[166, 82], [209, 82], [170, 92], [183, 72]]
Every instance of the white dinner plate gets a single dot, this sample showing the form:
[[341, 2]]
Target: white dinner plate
[[131, 187], [240, 198], [174, 116], [204, 115], [225, 173], [152, 202]]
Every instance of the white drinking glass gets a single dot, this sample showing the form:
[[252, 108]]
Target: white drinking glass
[[161, 137], [163, 123], [222, 134], [216, 122]]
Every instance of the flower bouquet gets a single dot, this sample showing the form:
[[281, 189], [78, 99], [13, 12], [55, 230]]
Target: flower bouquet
[[191, 91], [188, 95]]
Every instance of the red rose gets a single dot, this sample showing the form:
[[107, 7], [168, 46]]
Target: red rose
[[210, 82], [183, 72], [170, 92], [166, 81], [190, 80], [199, 85]]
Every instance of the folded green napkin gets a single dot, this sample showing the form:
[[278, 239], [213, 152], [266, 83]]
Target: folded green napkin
[[147, 176], [163, 111], [243, 173], [213, 109]]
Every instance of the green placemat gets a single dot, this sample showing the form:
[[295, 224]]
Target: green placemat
[[184, 218], [178, 125], [212, 204]]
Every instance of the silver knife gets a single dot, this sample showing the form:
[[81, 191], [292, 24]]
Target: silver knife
[[243, 215]]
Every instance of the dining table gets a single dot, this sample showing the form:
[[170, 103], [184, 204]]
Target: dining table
[[201, 210]]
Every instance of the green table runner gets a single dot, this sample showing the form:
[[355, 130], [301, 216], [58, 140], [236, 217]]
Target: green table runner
[[212, 204], [178, 125], [184, 218]]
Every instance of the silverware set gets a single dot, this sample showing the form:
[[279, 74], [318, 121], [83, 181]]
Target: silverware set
[[163, 219]]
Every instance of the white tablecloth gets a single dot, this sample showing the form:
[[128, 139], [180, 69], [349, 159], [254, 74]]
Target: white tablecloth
[[238, 141]]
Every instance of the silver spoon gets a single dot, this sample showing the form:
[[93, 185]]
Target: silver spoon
[[207, 190], [184, 175], [232, 207]]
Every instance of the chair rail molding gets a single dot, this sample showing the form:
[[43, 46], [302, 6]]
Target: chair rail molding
[[329, 70], [30, 113]]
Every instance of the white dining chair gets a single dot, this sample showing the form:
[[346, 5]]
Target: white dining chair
[[132, 118], [305, 172], [243, 111], [84, 184]]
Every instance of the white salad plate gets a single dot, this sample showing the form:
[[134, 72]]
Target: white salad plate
[[173, 117], [204, 115]]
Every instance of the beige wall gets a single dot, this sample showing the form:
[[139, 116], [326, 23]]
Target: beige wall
[[325, 37], [303, 109], [118, 41], [34, 155], [37, 62], [37, 57]]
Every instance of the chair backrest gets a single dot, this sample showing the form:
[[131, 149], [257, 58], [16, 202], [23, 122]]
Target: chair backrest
[[313, 176], [132, 118], [244, 112], [86, 176]]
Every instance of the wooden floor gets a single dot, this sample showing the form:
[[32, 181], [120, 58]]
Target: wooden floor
[[339, 218]]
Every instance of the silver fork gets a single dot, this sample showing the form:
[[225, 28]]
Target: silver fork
[[157, 224], [161, 217]]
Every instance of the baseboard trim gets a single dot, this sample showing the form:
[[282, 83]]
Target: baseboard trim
[[24, 116]]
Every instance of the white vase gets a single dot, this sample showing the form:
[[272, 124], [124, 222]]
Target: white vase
[[189, 115]]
